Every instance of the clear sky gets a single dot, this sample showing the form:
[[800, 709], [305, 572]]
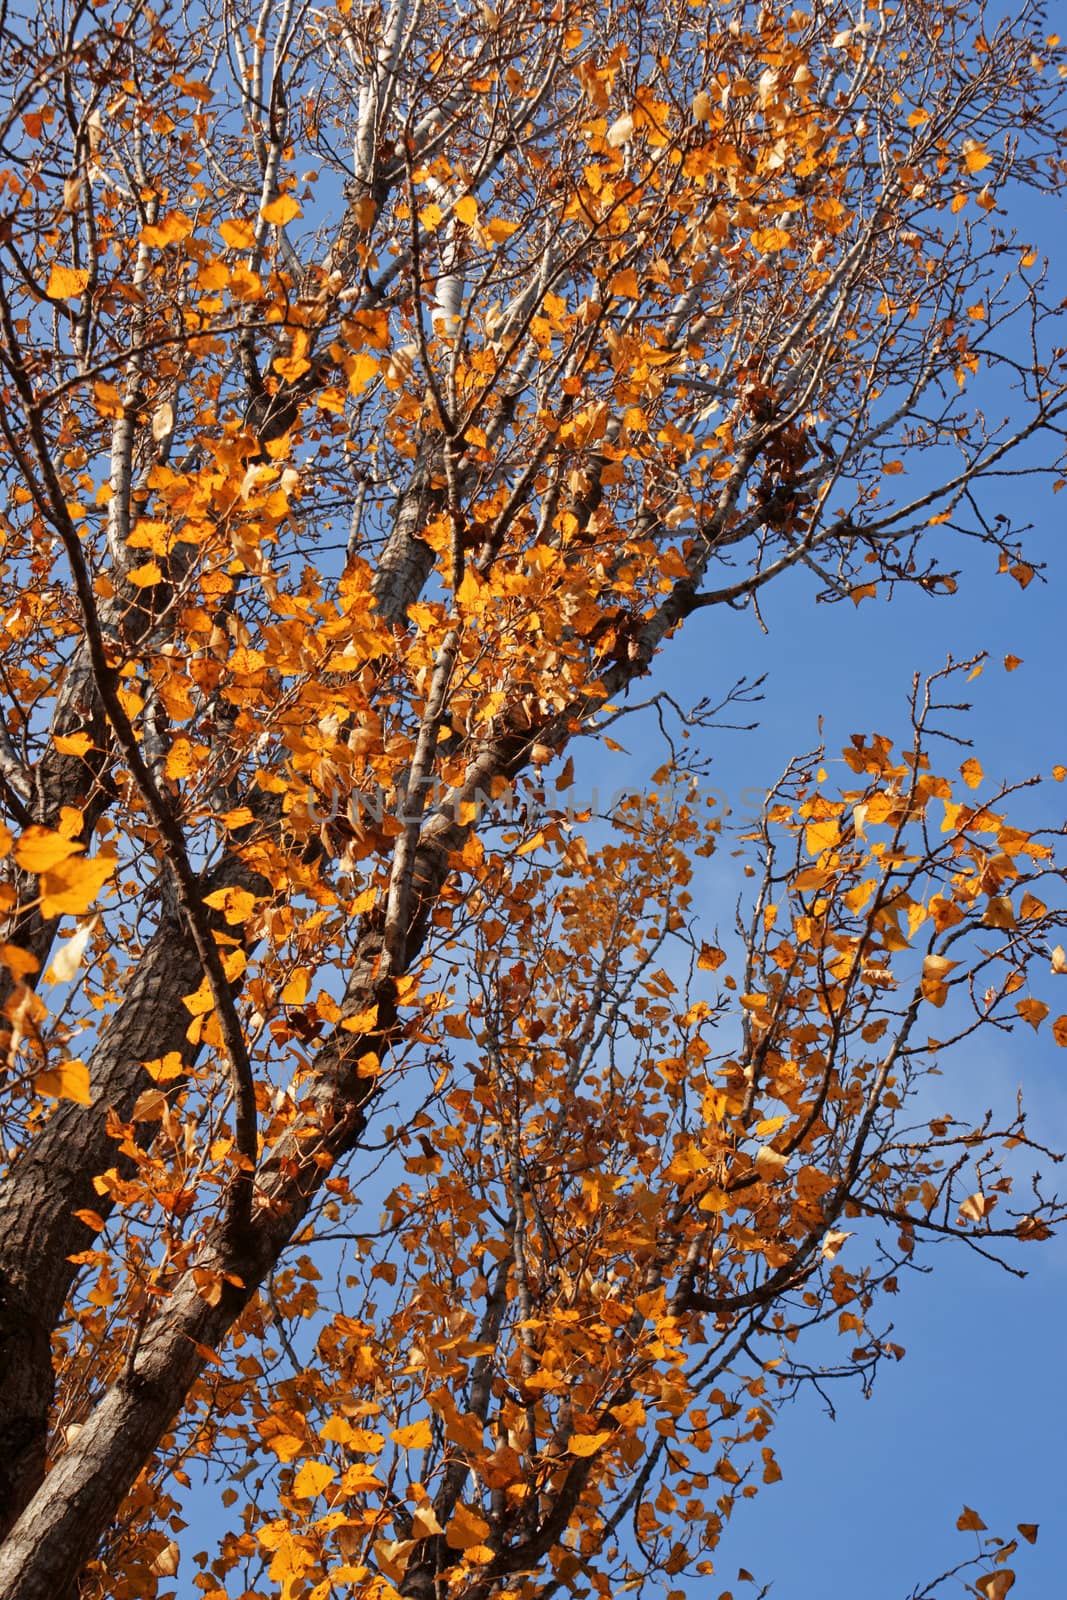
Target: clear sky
[[977, 1411]]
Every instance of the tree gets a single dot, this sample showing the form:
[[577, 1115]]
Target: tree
[[382, 390]]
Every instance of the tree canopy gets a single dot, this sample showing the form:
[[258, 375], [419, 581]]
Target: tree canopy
[[388, 1139]]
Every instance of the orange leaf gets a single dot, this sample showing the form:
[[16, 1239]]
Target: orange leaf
[[40, 848], [1032, 1011], [235, 904], [281, 211], [238, 234], [66, 283], [68, 1081], [170, 229], [466, 1529], [70, 887]]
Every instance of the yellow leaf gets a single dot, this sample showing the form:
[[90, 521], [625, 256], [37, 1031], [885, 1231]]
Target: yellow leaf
[[68, 1081], [72, 744], [587, 1444], [295, 991], [19, 962], [999, 913], [466, 210], [312, 1479], [286, 1446], [361, 1021], [70, 887], [975, 157], [971, 772], [393, 1556], [172, 228], [201, 1002], [239, 817], [167, 1067], [820, 836], [145, 576], [40, 848], [466, 1529], [65, 283], [499, 230], [770, 240], [360, 370], [417, 1436], [369, 1440], [245, 285], [281, 211], [235, 904]]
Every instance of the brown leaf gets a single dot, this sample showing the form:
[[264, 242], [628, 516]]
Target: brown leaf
[[969, 1521], [995, 1585]]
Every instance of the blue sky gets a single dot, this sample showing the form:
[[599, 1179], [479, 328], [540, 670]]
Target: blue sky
[[977, 1411]]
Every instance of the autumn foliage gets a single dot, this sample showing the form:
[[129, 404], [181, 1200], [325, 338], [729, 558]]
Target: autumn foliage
[[390, 1141]]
